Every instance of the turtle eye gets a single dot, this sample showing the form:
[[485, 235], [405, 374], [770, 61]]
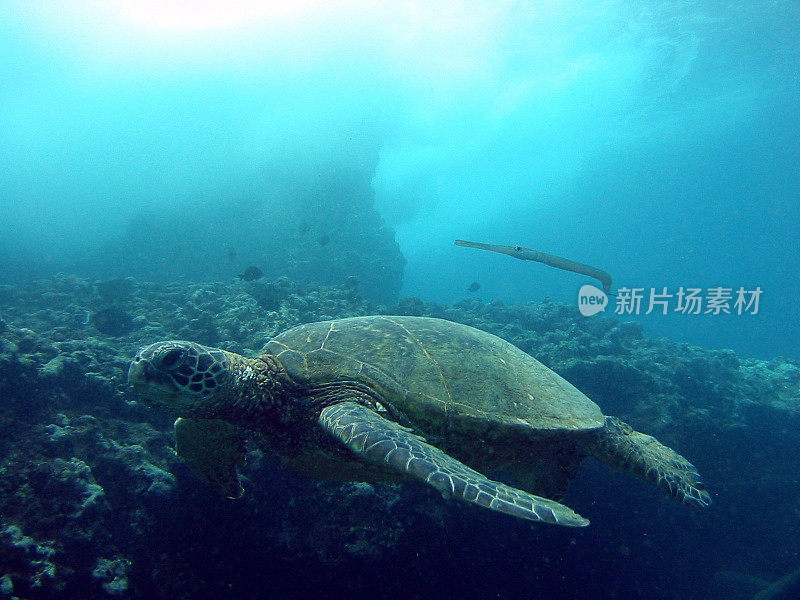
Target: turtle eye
[[173, 358]]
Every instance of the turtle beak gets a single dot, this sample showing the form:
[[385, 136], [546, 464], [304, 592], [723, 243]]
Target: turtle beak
[[139, 372], [143, 376]]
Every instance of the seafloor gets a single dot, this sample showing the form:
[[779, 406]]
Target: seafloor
[[94, 503]]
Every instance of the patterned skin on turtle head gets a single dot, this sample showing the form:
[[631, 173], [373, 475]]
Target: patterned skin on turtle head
[[182, 374]]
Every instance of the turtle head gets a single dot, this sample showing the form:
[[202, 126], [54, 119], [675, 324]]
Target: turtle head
[[180, 377]]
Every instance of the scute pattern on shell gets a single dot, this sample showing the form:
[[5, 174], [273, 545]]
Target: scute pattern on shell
[[438, 373]]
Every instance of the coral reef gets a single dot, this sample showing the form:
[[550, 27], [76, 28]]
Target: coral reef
[[113, 574], [94, 503]]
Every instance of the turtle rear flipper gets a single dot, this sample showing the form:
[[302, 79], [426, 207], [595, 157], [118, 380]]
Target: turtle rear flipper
[[390, 444], [619, 445], [212, 449]]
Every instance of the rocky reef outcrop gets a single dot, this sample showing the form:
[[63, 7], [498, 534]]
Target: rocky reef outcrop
[[317, 227], [94, 502]]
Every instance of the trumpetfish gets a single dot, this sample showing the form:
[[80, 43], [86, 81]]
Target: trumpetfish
[[549, 259]]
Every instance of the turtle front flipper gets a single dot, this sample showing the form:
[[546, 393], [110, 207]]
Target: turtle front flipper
[[212, 449], [621, 446], [390, 444]]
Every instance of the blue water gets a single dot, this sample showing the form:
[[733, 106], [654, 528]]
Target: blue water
[[655, 140]]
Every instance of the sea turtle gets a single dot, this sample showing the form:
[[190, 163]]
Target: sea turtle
[[393, 397]]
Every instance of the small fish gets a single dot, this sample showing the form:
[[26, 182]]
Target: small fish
[[474, 286], [303, 227], [111, 321], [323, 239], [231, 254], [251, 274]]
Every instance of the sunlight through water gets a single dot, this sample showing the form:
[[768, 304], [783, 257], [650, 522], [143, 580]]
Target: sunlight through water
[[188, 16]]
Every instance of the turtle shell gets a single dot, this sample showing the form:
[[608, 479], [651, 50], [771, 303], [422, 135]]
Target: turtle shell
[[436, 375]]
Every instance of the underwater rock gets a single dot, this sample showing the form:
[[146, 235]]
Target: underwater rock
[[70, 435], [78, 486], [616, 385], [362, 522], [269, 295], [115, 290], [60, 432], [13, 535], [150, 478], [413, 307], [63, 396], [113, 575], [626, 333], [64, 368], [31, 560]]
